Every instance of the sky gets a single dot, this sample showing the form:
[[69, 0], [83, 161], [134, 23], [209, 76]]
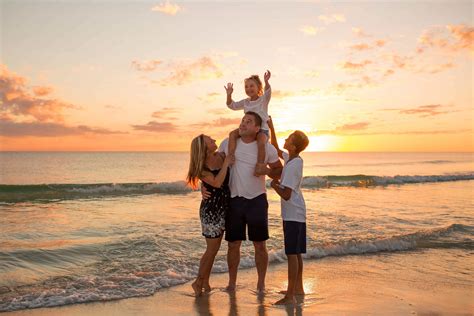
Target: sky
[[372, 76]]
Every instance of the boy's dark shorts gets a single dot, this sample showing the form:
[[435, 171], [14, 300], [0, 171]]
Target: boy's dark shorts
[[251, 213], [295, 237]]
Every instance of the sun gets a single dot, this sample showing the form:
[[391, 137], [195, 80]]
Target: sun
[[322, 143]]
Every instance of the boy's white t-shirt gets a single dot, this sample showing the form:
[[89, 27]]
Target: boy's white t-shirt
[[259, 106], [291, 177], [242, 181]]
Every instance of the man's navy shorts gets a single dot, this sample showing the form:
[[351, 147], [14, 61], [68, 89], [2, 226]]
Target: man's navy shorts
[[251, 214], [295, 237]]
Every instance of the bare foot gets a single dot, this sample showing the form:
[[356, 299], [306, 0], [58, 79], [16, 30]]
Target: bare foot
[[296, 292], [230, 288], [207, 288], [197, 287], [286, 301]]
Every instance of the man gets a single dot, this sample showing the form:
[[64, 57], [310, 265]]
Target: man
[[248, 204]]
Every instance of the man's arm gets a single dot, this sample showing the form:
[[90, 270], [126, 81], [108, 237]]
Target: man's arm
[[274, 170]]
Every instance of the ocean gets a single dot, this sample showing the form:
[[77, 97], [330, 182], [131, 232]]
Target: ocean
[[83, 227]]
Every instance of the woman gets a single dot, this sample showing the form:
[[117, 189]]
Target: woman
[[210, 167]]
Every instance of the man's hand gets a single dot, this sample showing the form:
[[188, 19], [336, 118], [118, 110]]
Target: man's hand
[[205, 194]]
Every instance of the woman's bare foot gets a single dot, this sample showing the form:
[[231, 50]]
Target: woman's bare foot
[[197, 287], [286, 301]]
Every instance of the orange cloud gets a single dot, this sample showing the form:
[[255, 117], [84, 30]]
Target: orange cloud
[[165, 112], [355, 66], [451, 38], [47, 129], [167, 8], [212, 96], [146, 65], [17, 100], [279, 94], [183, 72], [42, 91], [220, 122], [157, 127], [425, 110]]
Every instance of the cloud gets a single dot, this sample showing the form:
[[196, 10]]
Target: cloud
[[157, 127], [312, 74], [279, 94], [451, 39], [211, 97], [147, 66], [165, 113], [167, 8], [310, 30], [359, 32], [333, 18], [17, 100], [220, 122], [10, 128], [187, 71], [42, 91], [353, 127], [423, 111], [355, 66], [366, 46]]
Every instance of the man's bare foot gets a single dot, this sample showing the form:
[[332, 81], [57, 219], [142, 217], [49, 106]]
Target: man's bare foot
[[230, 288], [286, 301], [296, 292], [197, 287]]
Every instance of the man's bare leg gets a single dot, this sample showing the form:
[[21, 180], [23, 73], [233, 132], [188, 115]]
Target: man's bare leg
[[233, 260], [261, 261]]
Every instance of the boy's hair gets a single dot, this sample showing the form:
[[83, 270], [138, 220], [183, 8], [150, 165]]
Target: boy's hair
[[256, 78], [258, 119], [300, 141]]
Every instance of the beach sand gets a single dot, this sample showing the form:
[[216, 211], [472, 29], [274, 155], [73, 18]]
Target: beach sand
[[379, 284]]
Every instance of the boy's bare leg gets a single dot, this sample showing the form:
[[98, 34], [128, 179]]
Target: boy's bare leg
[[292, 276], [233, 136], [262, 140]]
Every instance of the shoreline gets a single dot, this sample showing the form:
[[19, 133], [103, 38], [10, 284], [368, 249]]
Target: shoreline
[[383, 283]]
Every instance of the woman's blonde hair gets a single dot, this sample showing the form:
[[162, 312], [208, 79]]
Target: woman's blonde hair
[[197, 158], [257, 80]]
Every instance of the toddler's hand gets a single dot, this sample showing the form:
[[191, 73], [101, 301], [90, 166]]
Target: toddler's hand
[[230, 88], [267, 75]]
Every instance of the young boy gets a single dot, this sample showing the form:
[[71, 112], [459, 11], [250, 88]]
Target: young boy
[[293, 209]]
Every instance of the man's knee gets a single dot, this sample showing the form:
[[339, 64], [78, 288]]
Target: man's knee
[[234, 245], [260, 246]]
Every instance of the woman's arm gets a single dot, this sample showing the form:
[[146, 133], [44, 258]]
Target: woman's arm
[[218, 180]]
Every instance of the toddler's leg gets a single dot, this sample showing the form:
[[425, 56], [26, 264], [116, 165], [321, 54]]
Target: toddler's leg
[[260, 168], [233, 136]]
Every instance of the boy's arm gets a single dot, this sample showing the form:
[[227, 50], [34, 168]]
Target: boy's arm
[[282, 191], [273, 139]]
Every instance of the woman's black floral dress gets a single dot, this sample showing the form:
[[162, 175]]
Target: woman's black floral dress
[[212, 211]]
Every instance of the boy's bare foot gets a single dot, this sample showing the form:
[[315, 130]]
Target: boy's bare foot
[[286, 301], [197, 287]]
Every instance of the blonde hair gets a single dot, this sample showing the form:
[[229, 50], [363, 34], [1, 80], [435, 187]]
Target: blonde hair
[[300, 141], [257, 80], [197, 158]]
